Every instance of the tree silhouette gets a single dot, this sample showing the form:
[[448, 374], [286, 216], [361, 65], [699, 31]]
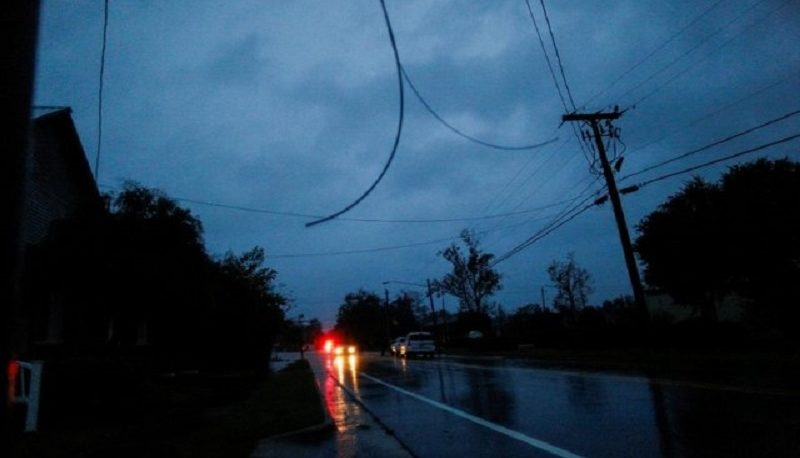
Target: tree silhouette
[[472, 279], [741, 235], [362, 318], [573, 284]]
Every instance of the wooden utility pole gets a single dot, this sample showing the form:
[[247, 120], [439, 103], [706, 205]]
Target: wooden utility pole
[[633, 271], [433, 310]]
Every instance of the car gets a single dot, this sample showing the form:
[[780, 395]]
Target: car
[[418, 343], [394, 347]]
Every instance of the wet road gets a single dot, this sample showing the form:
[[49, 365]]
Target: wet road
[[461, 407]]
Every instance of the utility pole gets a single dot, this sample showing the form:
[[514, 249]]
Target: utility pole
[[386, 316], [544, 304], [624, 237], [433, 309]]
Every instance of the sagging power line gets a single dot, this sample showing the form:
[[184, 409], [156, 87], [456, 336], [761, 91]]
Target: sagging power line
[[396, 143], [459, 132]]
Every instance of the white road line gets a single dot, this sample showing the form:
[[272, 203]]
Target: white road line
[[540, 444]]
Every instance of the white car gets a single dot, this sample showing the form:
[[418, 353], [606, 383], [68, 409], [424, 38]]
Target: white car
[[418, 343], [396, 344]]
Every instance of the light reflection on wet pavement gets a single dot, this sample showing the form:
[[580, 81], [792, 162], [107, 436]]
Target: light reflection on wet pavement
[[593, 415]]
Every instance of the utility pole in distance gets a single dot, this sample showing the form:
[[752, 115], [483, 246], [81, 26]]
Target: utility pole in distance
[[613, 194]]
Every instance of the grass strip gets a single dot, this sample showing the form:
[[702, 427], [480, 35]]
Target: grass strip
[[223, 415]]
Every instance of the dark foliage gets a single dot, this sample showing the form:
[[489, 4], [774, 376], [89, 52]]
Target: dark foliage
[[740, 237], [362, 319], [138, 276], [573, 284], [472, 279]]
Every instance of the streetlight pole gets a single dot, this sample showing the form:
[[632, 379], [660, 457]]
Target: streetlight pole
[[386, 320]]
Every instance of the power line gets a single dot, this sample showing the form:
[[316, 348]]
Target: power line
[[546, 55], [654, 51], [713, 162], [100, 93], [713, 144], [378, 249], [555, 78], [556, 221], [459, 132], [362, 251], [726, 43], [720, 109], [363, 220], [543, 233], [399, 126], [558, 55], [691, 50]]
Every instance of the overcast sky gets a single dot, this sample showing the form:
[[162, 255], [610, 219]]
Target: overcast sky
[[293, 106]]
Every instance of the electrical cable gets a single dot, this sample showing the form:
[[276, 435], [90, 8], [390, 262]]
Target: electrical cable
[[715, 50], [691, 50], [363, 220], [546, 56], [713, 162], [654, 51], [541, 234], [459, 132], [712, 144], [558, 56], [719, 110], [397, 135], [100, 93], [549, 62]]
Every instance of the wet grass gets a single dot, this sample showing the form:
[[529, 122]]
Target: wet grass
[[221, 415]]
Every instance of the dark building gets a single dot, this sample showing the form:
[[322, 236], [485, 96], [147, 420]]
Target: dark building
[[59, 186]]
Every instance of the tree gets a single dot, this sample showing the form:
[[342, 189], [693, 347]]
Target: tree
[[739, 236], [404, 311], [139, 273], [679, 246], [248, 312], [362, 318], [573, 284], [472, 279]]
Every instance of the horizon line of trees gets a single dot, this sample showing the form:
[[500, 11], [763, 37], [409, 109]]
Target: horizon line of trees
[[736, 238]]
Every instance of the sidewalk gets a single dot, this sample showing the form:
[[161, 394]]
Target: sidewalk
[[349, 431]]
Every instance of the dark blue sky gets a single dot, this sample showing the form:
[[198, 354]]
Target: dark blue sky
[[292, 106]]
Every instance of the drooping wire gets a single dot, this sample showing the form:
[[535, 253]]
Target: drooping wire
[[460, 133], [716, 161], [558, 56], [397, 134], [100, 93], [712, 144], [654, 51]]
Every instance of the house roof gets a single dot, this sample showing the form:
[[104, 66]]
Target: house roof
[[58, 121]]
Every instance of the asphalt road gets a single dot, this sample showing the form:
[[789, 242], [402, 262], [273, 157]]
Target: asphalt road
[[493, 407]]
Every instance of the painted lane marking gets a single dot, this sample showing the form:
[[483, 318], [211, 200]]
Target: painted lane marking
[[536, 443]]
